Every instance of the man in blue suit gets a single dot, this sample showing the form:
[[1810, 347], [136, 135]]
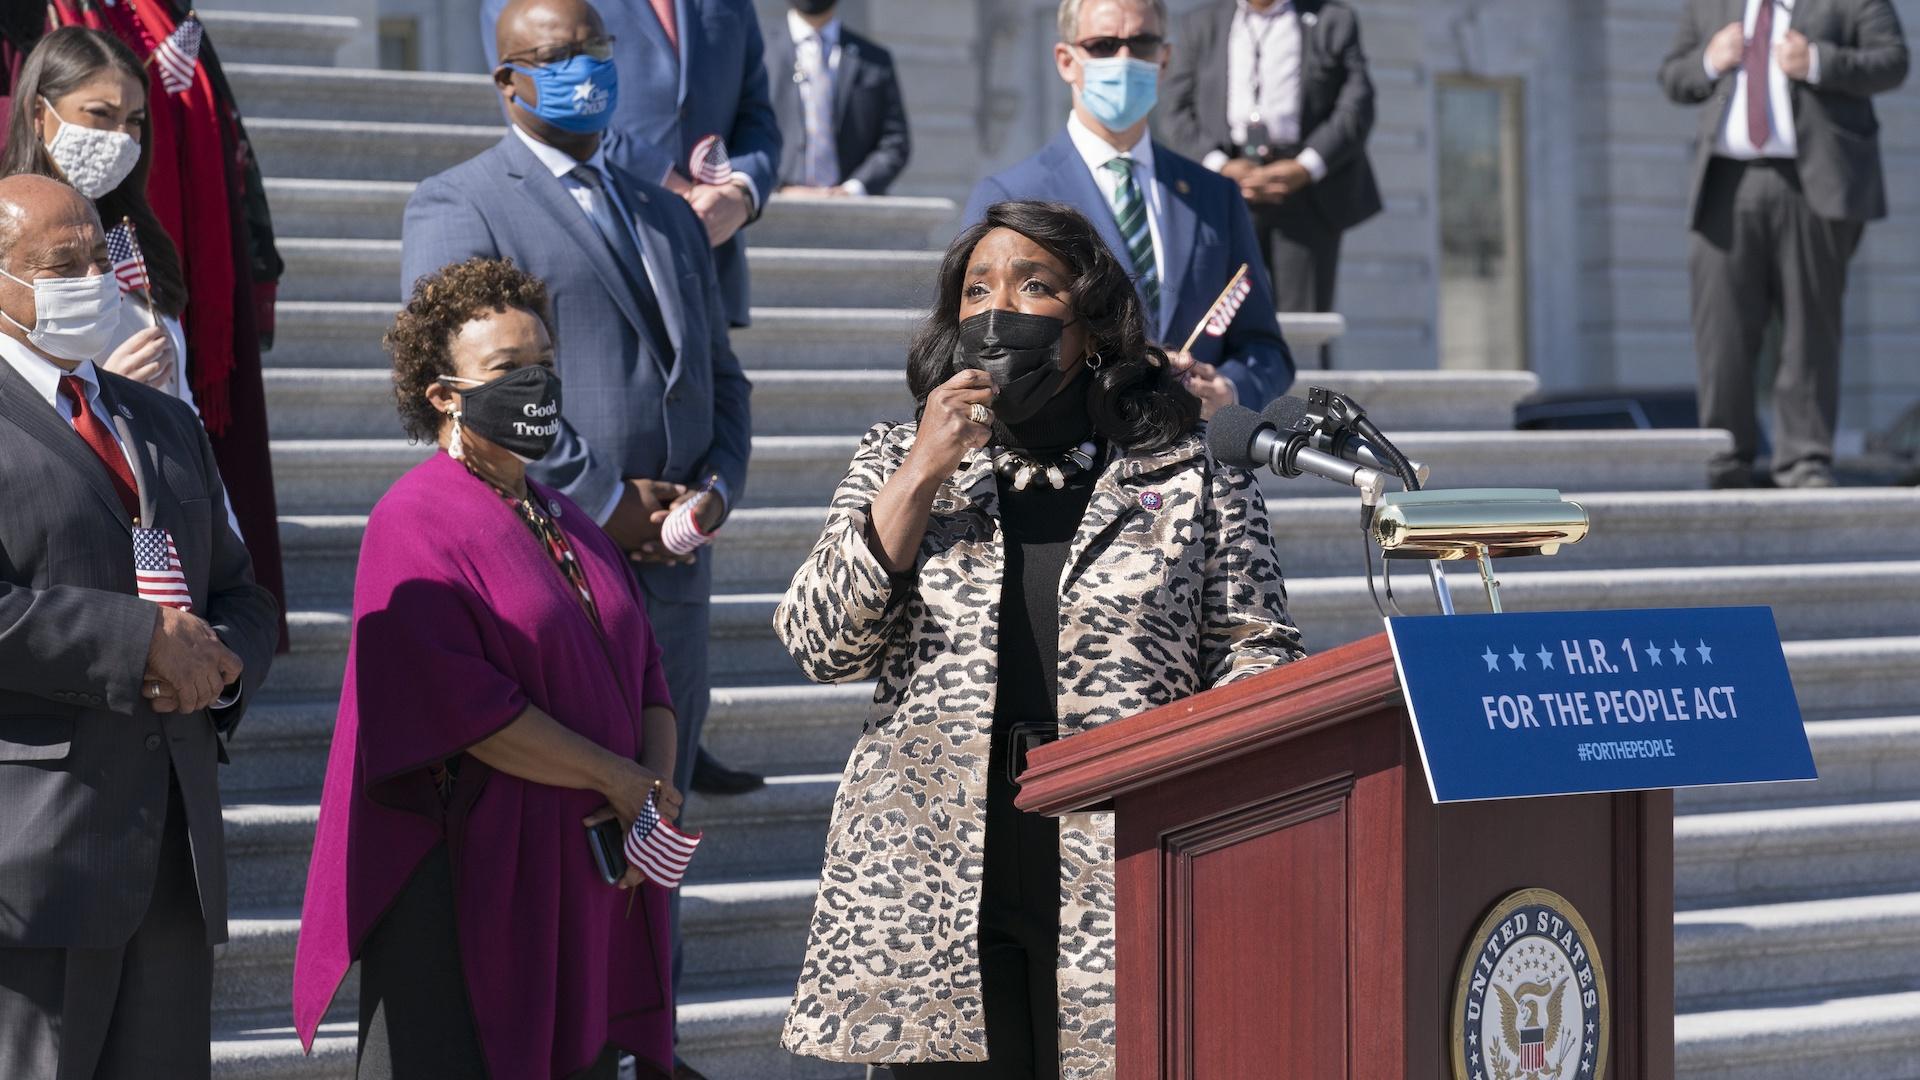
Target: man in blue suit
[[1183, 229], [656, 403], [689, 69]]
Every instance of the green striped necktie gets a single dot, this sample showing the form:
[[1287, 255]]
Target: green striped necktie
[[1130, 211]]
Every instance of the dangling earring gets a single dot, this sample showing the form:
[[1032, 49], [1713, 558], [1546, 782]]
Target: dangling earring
[[1094, 361], [454, 448]]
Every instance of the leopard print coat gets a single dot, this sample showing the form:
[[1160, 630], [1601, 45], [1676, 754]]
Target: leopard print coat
[[1171, 587]]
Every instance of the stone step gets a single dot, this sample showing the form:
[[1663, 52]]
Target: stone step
[[373, 209], [726, 1035], [319, 403], [1770, 953], [282, 745], [872, 341], [1869, 676], [737, 934], [369, 270], [1797, 853], [365, 150], [285, 91], [1873, 759], [760, 548], [775, 833], [1873, 1036], [249, 37], [350, 475]]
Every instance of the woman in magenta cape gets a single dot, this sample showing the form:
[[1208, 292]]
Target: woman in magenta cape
[[503, 688]]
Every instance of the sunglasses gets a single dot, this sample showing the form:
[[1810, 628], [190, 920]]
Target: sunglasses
[[600, 48], [1144, 46]]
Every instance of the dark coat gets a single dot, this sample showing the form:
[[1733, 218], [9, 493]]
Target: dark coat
[[869, 118]]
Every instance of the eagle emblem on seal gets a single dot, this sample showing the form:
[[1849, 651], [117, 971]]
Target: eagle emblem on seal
[[1531, 1002]]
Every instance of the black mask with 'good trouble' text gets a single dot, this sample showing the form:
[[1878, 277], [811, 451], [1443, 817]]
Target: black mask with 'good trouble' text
[[1022, 352], [518, 412]]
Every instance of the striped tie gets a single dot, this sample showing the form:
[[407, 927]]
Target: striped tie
[[1130, 211]]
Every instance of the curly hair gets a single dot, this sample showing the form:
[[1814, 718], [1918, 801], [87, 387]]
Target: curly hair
[[1136, 399], [421, 338]]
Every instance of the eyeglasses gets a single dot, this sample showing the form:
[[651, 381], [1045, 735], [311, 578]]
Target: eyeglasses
[[1144, 46], [600, 48]]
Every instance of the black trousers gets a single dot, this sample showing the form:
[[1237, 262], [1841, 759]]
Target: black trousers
[[142, 1010], [415, 1020], [1019, 945], [1303, 258], [1758, 251]]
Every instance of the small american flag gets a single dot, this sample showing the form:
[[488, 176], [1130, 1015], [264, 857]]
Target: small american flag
[[157, 569], [711, 162], [179, 54], [661, 851], [1229, 304], [123, 249]]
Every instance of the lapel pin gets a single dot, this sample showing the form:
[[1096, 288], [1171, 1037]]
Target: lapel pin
[[1182, 187], [553, 506], [126, 412], [1308, 18], [1150, 500]]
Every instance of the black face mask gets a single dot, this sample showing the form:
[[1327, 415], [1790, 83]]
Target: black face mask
[[812, 7], [518, 412], [1022, 353]]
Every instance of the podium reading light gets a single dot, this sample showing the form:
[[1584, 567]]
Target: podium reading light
[[1482, 524]]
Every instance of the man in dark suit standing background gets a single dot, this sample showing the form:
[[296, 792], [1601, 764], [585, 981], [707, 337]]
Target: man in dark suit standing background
[[117, 684], [1786, 176], [1274, 94], [843, 124]]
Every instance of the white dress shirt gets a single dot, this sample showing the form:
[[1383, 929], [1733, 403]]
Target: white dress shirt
[[1264, 51], [1096, 152], [829, 44], [1783, 141], [561, 164], [44, 376]]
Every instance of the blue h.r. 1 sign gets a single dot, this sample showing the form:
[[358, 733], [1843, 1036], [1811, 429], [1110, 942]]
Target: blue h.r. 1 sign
[[1566, 702]]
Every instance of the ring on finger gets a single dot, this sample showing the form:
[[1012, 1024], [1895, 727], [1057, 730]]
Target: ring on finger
[[979, 413]]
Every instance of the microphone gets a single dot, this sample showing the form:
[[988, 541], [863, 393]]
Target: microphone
[[1241, 437], [1331, 436]]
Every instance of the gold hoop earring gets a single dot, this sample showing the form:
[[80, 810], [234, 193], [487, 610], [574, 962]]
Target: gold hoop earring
[[455, 449]]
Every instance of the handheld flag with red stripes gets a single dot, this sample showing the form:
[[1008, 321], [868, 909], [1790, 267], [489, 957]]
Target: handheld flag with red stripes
[[157, 570], [711, 163], [177, 56], [1224, 307], [661, 851], [123, 250]]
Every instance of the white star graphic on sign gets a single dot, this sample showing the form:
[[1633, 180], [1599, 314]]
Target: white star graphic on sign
[[1586, 1066], [1705, 650], [1519, 659], [1589, 1046], [1653, 653], [1589, 1027], [1546, 659], [1492, 658], [1679, 654], [1473, 1036], [585, 91]]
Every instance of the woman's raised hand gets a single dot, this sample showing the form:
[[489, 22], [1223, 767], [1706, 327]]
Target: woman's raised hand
[[146, 357], [948, 426]]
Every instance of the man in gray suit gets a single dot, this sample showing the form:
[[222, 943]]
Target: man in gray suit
[[118, 686], [1786, 176], [657, 405]]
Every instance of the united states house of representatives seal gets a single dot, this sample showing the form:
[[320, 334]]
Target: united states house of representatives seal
[[1531, 1003]]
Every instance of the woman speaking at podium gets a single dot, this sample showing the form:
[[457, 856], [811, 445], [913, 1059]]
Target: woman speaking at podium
[[1046, 549]]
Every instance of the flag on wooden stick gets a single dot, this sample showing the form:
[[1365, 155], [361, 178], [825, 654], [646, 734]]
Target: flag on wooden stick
[[1224, 307], [123, 250], [177, 56]]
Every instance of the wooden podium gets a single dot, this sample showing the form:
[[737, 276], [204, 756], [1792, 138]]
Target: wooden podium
[[1292, 905]]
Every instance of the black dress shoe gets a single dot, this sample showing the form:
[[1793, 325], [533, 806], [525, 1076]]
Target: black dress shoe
[[1730, 474], [684, 1071], [712, 778]]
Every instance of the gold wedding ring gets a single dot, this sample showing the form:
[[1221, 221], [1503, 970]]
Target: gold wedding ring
[[978, 413]]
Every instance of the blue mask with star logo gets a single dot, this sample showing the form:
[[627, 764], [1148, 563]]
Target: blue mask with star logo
[[576, 94]]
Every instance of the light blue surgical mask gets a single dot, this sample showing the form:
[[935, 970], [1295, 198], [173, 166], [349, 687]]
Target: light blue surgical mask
[[576, 95], [1119, 91]]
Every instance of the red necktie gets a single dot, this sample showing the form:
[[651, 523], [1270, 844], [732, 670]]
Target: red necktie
[[664, 9], [1759, 87], [100, 440]]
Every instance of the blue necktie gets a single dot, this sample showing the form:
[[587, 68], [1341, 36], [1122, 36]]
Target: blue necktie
[[626, 252]]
